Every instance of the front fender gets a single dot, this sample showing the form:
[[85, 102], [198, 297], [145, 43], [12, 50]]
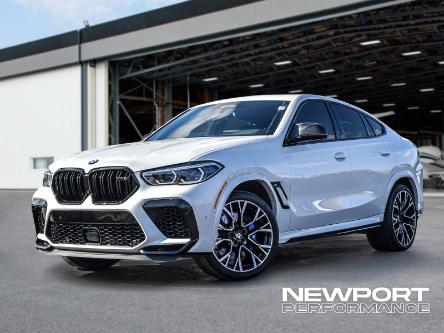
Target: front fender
[[281, 215]]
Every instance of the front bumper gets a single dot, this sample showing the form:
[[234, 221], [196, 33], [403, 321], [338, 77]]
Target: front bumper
[[200, 199]]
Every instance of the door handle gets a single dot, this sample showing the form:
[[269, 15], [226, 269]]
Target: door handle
[[384, 152], [340, 156]]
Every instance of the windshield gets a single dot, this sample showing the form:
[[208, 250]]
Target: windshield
[[225, 119]]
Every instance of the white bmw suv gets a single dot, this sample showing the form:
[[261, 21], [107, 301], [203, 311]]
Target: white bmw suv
[[229, 181]]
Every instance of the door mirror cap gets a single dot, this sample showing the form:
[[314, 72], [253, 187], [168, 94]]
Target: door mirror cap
[[307, 132]]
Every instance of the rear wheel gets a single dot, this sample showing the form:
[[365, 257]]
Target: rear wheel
[[398, 229], [246, 242], [90, 264]]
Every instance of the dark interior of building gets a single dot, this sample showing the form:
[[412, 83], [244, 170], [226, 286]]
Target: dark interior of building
[[388, 61]]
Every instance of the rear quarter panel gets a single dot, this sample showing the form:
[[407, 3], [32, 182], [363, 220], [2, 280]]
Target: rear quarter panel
[[407, 165]]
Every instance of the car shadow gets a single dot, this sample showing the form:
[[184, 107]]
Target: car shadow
[[308, 257]]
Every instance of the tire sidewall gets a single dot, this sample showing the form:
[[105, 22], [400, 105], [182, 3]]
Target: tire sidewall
[[388, 221]]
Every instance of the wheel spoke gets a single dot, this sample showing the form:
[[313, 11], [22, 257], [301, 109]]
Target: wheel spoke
[[407, 236], [260, 246], [403, 216], [245, 241], [254, 257]]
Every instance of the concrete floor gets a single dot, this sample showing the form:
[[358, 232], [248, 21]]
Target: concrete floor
[[40, 293]]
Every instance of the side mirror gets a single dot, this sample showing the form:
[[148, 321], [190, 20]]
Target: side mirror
[[307, 132]]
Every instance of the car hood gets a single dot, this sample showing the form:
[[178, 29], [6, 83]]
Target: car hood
[[150, 154]]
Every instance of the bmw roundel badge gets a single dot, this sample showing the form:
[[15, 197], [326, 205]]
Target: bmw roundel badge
[[93, 161]]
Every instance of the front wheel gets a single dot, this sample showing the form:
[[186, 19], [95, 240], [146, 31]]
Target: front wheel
[[90, 264], [246, 242], [398, 229]]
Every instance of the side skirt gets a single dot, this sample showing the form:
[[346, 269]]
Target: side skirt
[[331, 230]]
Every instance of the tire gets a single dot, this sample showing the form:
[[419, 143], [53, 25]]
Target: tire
[[246, 242], [90, 264], [398, 229]]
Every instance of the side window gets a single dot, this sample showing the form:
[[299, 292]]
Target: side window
[[377, 127], [370, 131], [350, 121], [316, 112]]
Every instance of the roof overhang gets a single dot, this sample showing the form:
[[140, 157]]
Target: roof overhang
[[179, 25]]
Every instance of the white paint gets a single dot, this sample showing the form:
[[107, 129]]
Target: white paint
[[98, 107], [40, 117]]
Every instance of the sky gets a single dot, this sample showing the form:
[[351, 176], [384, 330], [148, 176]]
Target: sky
[[23, 21]]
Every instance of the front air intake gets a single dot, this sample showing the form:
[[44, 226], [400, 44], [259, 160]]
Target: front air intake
[[173, 217], [100, 228]]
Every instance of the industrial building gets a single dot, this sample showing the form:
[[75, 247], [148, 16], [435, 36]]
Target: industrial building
[[115, 82]]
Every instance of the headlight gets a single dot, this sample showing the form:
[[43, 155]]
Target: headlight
[[47, 178], [185, 174]]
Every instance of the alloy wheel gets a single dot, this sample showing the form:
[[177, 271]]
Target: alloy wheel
[[404, 218], [245, 236]]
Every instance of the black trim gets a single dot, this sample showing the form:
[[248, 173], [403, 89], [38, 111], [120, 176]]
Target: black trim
[[39, 46], [369, 129], [367, 117], [259, 26], [92, 216], [352, 109], [335, 233], [360, 113], [293, 121], [57, 194], [169, 14], [172, 13], [132, 175], [157, 208], [177, 12], [276, 186], [38, 207], [162, 252], [112, 228], [87, 184]]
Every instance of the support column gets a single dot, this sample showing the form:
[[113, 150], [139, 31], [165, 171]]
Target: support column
[[97, 105], [84, 105], [116, 92], [168, 100], [91, 101], [102, 104]]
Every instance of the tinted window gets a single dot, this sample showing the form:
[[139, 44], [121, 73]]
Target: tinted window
[[225, 119], [316, 112], [370, 131], [377, 127], [350, 121]]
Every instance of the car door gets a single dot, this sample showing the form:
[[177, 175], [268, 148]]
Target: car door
[[319, 173], [371, 160]]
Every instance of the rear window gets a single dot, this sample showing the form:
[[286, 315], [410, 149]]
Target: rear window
[[378, 129], [350, 122]]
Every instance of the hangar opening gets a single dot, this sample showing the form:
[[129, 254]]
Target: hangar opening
[[389, 61]]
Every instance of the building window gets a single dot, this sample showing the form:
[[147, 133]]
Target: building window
[[41, 162]]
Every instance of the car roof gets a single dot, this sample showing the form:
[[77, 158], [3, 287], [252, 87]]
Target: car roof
[[290, 98], [280, 97]]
